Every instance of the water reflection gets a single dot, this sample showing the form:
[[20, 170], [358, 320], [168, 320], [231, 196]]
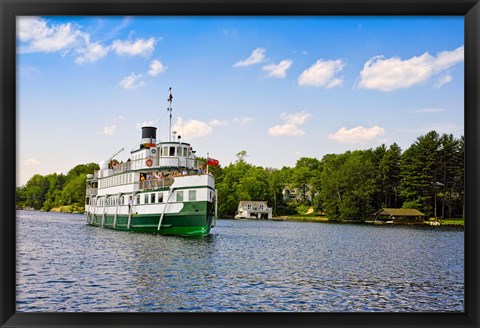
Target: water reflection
[[64, 265]]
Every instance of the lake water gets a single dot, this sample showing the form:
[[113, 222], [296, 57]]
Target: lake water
[[63, 265]]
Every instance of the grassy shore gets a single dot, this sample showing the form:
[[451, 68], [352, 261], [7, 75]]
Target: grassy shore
[[303, 217], [315, 217], [455, 222], [68, 209]]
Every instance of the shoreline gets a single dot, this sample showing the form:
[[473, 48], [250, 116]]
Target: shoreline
[[323, 219], [457, 223]]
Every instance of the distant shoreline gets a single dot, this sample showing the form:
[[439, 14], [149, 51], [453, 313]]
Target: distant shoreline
[[313, 218], [458, 223]]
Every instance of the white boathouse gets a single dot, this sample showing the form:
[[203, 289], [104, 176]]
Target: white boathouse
[[251, 209]]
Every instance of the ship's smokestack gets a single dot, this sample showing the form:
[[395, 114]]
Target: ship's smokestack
[[149, 136]]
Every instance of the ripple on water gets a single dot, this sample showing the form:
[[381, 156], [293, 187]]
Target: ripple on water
[[64, 265]]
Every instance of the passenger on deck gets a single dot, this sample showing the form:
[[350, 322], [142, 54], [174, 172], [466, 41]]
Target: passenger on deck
[[142, 180], [149, 179]]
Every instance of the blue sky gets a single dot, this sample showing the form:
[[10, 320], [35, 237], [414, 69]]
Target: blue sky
[[280, 88]]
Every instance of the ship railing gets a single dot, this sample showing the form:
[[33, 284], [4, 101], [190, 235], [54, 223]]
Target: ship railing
[[157, 161], [91, 191], [155, 183], [139, 164]]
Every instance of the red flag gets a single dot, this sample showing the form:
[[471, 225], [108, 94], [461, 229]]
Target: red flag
[[212, 161]]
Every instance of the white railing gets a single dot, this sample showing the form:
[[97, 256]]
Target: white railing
[[91, 191], [142, 164], [155, 183]]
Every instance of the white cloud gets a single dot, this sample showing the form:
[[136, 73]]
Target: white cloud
[[427, 110], [91, 53], [216, 122], [257, 56], [156, 67], [296, 118], [139, 47], [192, 129], [324, 73], [32, 162], [394, 73], [357, 135], [290, 128], [132, 81], [36, 36], [278, 70], [243, 120], [121, 117], [109, 130], [443, 80], [285, 130]]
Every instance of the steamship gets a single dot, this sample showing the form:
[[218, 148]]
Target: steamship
[[162, 188]]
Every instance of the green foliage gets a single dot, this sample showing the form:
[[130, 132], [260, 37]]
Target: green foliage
[[349, 185], [432, 175], [428, 176], [55, 190]]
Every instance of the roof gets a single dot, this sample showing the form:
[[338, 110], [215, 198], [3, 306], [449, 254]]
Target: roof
[[400, 212], [254, 203]]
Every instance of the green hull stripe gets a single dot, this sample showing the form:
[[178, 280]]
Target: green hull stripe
[[183, 223]]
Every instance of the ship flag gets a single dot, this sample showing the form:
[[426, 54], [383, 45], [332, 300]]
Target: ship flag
[[212, 161]]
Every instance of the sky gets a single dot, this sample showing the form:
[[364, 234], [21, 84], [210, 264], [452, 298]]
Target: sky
[[279, 88]]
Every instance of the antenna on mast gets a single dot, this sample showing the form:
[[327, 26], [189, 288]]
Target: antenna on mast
[[170, 99]]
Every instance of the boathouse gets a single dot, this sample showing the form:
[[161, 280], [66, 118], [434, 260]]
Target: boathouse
[[251, 209], [400, 215]]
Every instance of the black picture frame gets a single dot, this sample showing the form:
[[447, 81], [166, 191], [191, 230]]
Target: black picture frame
[[9, 9]]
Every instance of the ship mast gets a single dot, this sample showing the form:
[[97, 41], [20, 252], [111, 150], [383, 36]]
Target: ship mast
[[170, 99]]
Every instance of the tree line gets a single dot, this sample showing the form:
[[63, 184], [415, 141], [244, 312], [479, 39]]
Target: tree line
[[56, 190], [428, 176]]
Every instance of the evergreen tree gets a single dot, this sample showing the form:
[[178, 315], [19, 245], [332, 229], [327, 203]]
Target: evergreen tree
[[419, 173]]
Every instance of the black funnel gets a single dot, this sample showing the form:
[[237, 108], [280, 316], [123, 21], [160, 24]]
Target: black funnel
[[149, 132]]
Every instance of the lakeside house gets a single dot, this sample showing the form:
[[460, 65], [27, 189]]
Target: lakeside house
[[302, 194], [400, 215], [251, 209]]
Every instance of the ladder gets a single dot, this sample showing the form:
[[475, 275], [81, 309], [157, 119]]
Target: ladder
[[116, 210], [130, 210], [104, 209], [165, 208]]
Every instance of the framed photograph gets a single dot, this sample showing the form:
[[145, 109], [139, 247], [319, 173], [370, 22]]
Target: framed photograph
[[271, 163]]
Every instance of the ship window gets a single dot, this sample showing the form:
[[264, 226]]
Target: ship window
[[152, 198], [122, 200], [180, 196], [179, 151], [160, 197], [172, 151], [145, 199], [185, 152], [165, 151], [137, 202], [192, 195]]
